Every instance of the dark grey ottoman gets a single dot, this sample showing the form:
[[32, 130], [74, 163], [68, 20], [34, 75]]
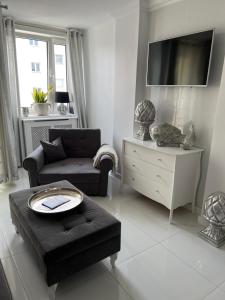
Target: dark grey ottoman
[[68, 242]]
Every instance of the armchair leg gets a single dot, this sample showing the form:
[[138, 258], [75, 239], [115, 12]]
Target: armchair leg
[[113, 259], [52, 291]]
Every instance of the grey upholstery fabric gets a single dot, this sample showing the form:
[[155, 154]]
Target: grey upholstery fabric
[[53, 151], [80, 146], [78, 142], [73, 169], [66, 242], [33, 163], [5, 293]]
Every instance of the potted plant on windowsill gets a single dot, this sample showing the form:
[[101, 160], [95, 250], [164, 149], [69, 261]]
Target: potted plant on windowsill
[[40, 105]]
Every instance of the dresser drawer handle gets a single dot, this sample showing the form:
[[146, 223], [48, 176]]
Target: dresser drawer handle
[[134, 151], [159, 159], [158, 176], [133, 165], [157, 191]]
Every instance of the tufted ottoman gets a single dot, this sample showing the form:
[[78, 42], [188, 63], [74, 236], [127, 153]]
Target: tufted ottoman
[[65, 243]]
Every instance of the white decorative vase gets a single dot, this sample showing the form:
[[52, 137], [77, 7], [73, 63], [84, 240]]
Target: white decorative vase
[[40, 109]]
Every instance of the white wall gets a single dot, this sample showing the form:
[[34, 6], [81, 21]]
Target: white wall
[[141, 57], [179, 105], [111, 62], [100, 65], [126, 48], [216, 170]]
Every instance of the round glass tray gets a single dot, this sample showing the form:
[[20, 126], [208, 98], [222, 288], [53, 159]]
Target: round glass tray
[[73, 197]]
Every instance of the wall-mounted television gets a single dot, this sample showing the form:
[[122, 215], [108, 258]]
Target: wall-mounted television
[[180, 61]]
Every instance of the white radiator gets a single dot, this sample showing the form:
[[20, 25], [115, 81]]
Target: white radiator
[[34, 129]]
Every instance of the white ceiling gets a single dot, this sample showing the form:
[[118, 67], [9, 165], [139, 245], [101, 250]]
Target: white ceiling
[[65, 13]]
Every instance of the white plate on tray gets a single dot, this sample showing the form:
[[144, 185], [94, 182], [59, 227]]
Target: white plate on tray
[[75, 197]]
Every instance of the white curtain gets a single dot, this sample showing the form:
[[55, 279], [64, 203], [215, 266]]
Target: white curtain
[[76, 82], [9, 97]]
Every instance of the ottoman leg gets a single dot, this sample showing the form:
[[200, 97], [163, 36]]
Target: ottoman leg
[[113, 259], [17, 231], [52, 291]]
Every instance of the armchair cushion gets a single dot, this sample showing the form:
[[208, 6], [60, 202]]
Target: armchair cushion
[[53, 151], [78, 142], [75, 170]]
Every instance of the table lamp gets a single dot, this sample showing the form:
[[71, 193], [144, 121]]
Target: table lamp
[[62, 100]]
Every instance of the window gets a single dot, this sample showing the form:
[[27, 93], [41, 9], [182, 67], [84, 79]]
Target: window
[[32, 68], [35, 67], [59, 84], [33, 42], [40, 66], [60, 68], [59, 59]]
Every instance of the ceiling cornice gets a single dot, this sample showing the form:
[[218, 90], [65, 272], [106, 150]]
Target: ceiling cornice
[[152, 6], [134, 5]]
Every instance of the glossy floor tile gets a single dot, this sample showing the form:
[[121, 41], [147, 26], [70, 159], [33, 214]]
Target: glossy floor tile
[[102, 286], [216, 294], [157, 261], [158, 274], [206, 259], [14, 280]]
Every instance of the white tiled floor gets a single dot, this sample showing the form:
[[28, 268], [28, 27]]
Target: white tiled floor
[[157, 261]]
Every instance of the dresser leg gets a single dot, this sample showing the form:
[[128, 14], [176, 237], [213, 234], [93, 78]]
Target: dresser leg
[[171, 216]]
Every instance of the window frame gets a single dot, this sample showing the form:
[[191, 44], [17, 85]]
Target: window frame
[[51, 41]]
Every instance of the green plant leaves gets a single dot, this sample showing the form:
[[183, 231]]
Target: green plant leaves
[[39, 96]]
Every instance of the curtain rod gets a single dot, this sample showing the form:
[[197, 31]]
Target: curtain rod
[[39, 26], [47, 27]]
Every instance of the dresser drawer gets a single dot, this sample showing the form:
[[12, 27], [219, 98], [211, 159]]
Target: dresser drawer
[[150, 171], [148, 188], [147, 155]]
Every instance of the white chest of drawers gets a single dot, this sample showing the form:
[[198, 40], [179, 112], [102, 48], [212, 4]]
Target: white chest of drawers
[[167, 175]]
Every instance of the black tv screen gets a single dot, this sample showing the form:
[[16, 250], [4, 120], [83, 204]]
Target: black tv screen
[[182, 61]]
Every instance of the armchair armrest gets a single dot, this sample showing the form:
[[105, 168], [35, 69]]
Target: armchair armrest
[[33, 164], [106, 164]]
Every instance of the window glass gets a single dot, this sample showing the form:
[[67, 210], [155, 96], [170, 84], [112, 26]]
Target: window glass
[[33, 42], [32, 68], [60, 68], [59, 84], [59, 59], [35, 67]]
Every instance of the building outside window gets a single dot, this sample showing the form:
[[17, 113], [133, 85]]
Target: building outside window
[[59, 59], [40, 66], [33, 42], [60, 67], [35, 67], [59, 84]]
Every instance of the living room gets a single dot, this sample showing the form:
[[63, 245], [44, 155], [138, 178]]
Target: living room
[[92, 63]]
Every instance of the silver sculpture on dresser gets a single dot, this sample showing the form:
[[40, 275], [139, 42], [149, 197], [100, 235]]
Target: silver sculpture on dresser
[[167, 135], [214, 212], [189, 133], [144, 116]]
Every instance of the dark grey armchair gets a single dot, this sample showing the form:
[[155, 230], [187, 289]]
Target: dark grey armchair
[[80, 146]]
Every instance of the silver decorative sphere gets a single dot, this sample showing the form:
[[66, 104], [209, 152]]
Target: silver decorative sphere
[[214, 212], [145, 112], [214, 208]]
